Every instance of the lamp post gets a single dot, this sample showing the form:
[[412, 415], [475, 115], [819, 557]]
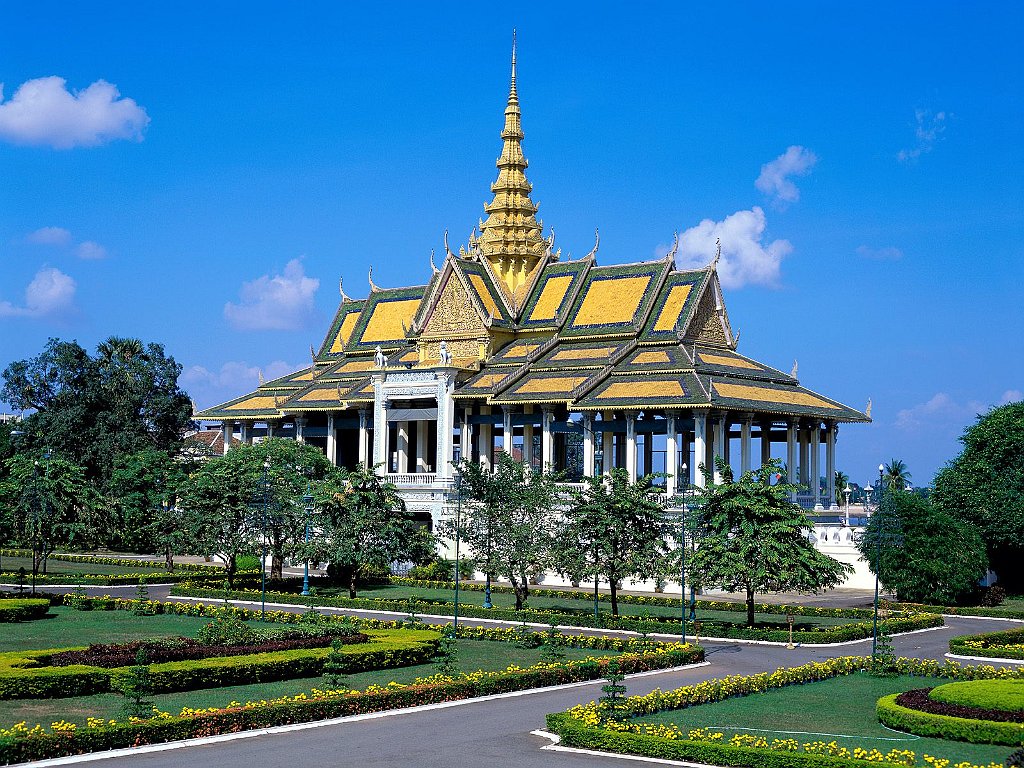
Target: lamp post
[[307, 502], [683, 475], [847, 490], [39, 515], [458, 523], [598, 471], [263, 560], [878, 566]]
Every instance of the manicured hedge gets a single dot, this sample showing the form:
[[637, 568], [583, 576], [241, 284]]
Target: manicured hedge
[[920, 723], [1002, 695], [964, 610], [24, 674], [21, 743], [90, 579], [1005, 644], [127, 562], [23, 609], [845, 632]]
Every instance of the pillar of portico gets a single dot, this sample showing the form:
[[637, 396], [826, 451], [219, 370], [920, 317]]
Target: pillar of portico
[[364, 438], [245, 434], [466, 438], [671, 455], [830, 462], [631, 446], [445, 427], [766, 441], [700, 446], [547, 438], [486, 439], [300, 429], [815, 463], [721, 440], [792, 428], [528, 437], [588, 445], [805, 458], [421, 447], [271, 426], [402, 438], [607, 444], [746, 425], [507, 432], [227, 431], [332, 443]]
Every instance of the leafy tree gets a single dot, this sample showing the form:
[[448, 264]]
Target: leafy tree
[[842, 480], [614, 529], [363, 524], [49, 504], [896, 475], [984, 486], [753, 538], [921, 553], [142, 516], [93, 409], [506, 521]]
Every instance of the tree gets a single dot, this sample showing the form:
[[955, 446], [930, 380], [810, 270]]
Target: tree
[[921, 553], [842, 480], [984, 486], [141, 497], [615, 529], [896, 475], [93, 409], [753, 538], [363, 524], [507, 522]]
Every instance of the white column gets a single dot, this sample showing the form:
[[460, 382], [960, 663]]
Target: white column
[[421, 447], [528, 437], [805, 458], [588, 445], [467, 435], [547, 442], [607, 445], [245, 432], [745, 427], [486, 439], [671, 455], [332, 441], [364, 435], [300, 429], [227, 431], [381, 449], [403, 447], [700, 450], [815, 460], [270, 428], [792, 427], [445, 426], [631, 446], [830, 462], [721, 438], [507, 430]]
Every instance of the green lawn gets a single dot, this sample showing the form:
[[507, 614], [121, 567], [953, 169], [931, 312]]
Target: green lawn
[[64, 627], [507, 600], [841, 709], [473, 655], [55, 567]]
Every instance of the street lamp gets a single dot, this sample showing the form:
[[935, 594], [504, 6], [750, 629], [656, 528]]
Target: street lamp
[[458, 523], [39, 515], [685, 477], [307, 502], [598, 471], [263, 560], [847, 490], [878, 565]]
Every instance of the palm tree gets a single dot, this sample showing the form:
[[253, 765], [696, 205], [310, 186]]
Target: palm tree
[[119, 348], [842, 480], [896, 475]]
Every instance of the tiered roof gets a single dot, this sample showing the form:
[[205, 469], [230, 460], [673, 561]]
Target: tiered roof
[[524, 327]]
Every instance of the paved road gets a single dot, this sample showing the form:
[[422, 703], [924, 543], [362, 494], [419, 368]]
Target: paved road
[[497, 732]]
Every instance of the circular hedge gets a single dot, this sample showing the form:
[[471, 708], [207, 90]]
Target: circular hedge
[[1004, 695], [892, 711]]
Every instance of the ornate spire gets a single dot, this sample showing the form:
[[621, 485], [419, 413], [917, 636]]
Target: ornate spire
[[511, 238]]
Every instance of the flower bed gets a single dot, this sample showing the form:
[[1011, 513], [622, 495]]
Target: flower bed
[[22, 743], [895, 714], [1006, 644], [892, 624], [29, 675], [23, 609], [598, 726]]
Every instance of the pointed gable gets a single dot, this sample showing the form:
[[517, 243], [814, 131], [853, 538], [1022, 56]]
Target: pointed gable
[[709, 322]]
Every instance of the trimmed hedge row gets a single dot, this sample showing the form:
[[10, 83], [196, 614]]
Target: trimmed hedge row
[[967, 610], [920, 723], [658, 600], [24, 674], [1004, 644], [835, 634], [23, 609], [22, 744], [127, 562]]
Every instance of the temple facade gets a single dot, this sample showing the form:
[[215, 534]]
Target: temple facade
[[567, 364]]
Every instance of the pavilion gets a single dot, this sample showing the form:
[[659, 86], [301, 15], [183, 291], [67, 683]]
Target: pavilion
[[567, 364]]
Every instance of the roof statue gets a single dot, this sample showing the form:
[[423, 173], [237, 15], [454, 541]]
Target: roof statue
[[515, 326]]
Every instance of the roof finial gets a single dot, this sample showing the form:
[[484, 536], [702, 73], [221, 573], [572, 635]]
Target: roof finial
[[796, 365], [671, 255], [512, 87], [259, 373], [718, 253], [433, 267], [373, 286], [341, 289], [597, 244], [447, 250], [867, 411]]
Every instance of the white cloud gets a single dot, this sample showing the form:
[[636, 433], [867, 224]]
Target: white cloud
[[51, 293], [889, 253], [928, 131], [774, 180], [90, 250], [1011, 396], [746, 260], [43, 112], [281, 302], [940, 411], [49, 236]]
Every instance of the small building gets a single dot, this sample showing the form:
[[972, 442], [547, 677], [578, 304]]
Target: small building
[[569, 364]]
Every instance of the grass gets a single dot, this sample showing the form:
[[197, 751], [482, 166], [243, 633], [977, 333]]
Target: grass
[[568, 604], [473, 655], [56, 567], [989, 694], [841, 709]]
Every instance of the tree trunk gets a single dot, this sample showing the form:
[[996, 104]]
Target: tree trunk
[[169, 559], [614, 595], [352, 582], [276, 567], [522, 592], [750, 606], [230, 567]]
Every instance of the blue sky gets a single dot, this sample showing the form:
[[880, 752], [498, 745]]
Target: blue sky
[[205, 173]]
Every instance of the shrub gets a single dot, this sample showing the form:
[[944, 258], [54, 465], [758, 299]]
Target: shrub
[[23, 609], [1005, 695], [227, 631], [439, 570], [975, 731], [993, 596]]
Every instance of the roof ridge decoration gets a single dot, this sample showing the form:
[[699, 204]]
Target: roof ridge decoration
[[510, 239], [341, 290]]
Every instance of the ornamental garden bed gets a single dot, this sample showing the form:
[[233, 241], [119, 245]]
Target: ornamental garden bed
[[23, 609], [772, 627], [502, 659], [1005, 644], [820, 714]]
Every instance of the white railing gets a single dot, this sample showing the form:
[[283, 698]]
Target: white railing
[[411, 478]]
